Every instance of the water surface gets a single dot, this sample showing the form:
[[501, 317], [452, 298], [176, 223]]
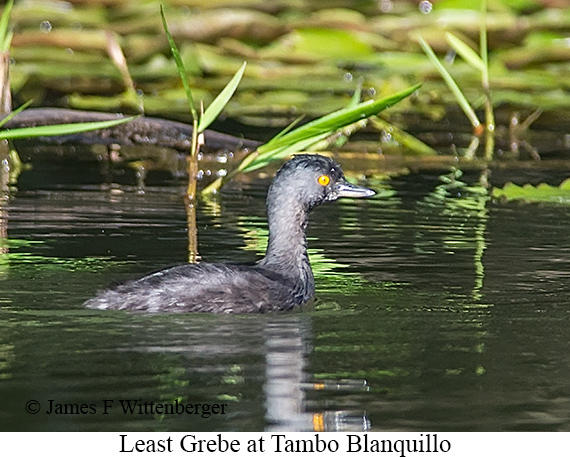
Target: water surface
[[437, 310]]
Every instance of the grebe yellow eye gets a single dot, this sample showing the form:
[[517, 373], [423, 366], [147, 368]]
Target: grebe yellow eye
[[324, 180]]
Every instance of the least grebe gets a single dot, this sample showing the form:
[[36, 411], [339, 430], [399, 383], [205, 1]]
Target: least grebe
[[281, 280]]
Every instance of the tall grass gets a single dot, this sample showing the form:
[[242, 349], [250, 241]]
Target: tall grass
[[200, 120], [480, 62]]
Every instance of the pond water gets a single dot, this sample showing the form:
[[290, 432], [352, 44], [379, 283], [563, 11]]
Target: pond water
[[437, 310]]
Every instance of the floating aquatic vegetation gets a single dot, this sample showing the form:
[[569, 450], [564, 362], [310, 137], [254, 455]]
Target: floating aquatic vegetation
[[6, 102], [312, 52], [314, 45], [542, 193]]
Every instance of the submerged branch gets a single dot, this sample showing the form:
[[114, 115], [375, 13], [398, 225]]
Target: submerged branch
[[140, 131]]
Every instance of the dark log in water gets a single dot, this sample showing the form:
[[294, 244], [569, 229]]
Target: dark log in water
[[140, 131]]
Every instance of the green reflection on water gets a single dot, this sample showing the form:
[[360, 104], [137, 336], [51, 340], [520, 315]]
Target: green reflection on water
[[466, 205], [10, 260], [324, 268]]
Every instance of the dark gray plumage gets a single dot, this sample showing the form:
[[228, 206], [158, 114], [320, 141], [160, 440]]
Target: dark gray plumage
[[280, 281]]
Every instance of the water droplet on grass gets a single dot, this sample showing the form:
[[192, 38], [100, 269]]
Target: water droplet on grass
[[45, 26], [425, 7]]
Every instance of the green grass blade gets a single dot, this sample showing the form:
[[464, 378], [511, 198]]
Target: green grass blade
[[289, 127], [489, 114], [336, 120], [16, 111], [483, 45], [466, 52], [461, 100], [60, 129], [355, 100], [6, 43], [285, 151], [289, 142], [216, 107], [179, 66], [5, 35]]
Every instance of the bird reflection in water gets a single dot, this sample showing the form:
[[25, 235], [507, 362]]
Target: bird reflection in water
[[288, 342]]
